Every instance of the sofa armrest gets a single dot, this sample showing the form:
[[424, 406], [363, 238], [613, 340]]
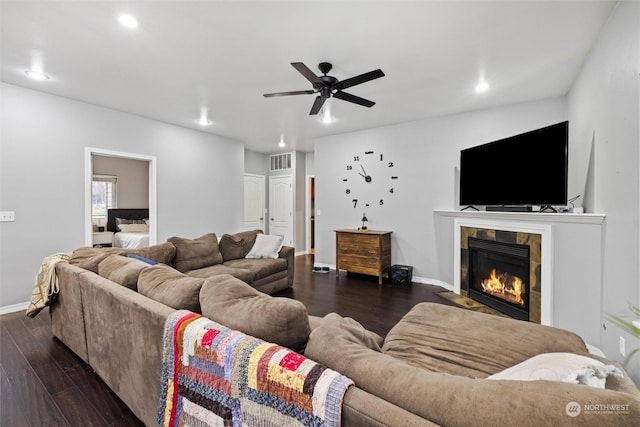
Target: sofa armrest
[[289, 253]]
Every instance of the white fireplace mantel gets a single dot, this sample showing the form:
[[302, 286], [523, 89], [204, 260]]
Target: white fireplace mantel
[[572, 257], [587, 218]]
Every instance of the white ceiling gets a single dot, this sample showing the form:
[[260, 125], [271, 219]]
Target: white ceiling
[[223, 55]]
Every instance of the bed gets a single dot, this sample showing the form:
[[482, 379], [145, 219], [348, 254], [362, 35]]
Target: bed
[[130, 227]]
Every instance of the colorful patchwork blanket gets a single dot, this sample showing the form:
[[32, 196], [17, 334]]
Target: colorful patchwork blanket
[[216, 376]]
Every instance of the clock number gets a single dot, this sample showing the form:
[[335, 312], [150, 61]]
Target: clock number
[[381, 158], [355, 202], [391, 191], [390, 164], [349, 167], [348, 191], [356, 158], [381, 202], [368, 152]]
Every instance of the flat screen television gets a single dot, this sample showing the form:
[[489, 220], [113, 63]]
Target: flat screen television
[[529, 169]]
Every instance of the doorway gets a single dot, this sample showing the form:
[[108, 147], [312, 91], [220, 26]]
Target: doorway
[[311, 214], [89, 152]]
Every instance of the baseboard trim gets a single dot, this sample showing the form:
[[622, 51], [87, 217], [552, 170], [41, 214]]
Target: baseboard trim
[[427, 281], [14, 308]]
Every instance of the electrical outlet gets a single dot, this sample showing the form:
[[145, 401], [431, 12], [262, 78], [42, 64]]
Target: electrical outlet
[[622, 349], [7, 216]]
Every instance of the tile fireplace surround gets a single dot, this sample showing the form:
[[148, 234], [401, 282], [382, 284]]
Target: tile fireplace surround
[[541, 261], [569, 259]]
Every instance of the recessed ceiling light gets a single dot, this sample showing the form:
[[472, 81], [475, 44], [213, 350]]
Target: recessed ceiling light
[[204, 122], [482, 87], [36, 75], [281, 144], [128, 21]]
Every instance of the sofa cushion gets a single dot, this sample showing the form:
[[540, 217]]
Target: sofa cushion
[[170, 287], [235, 304], [260, 268], [89, 258], [243, 274], [238, 245], [266, 246], [121, 269], [192, 254], [457, 341], [163, 252], [348, 329]]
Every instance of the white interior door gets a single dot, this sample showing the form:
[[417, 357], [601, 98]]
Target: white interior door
[[254, 198], [280, 207]]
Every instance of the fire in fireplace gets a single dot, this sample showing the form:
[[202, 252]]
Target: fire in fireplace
[[499, 276]]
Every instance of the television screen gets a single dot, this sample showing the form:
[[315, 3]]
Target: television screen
[[522, 170]]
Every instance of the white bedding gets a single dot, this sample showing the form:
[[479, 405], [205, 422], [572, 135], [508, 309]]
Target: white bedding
[[131, 240]]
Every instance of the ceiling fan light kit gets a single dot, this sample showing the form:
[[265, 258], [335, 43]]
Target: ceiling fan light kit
[[328, 86]]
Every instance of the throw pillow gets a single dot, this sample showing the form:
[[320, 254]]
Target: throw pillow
[[238, 245], [170, 287], [121, 221], [228, 300], [266, 246], [162, 253], [134, 228], [565, 367], [122, 270], [197, 253]]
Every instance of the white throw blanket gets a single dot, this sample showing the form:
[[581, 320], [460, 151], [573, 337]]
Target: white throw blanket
[[46, 286]]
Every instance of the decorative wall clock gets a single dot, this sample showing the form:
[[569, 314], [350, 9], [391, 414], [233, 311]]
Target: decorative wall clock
[[370, 179]]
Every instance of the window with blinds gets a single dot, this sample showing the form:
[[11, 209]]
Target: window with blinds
[[103, 196]]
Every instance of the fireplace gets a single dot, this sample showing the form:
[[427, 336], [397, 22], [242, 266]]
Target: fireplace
[[498, 276]]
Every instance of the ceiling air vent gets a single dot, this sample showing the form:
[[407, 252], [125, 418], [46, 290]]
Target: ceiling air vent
[[279, 162]]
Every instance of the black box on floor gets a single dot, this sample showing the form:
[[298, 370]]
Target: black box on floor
[[401, 274]]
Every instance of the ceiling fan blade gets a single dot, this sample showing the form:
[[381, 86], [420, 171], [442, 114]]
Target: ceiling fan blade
[[362, 78], [297, 92], [317, 105], [307, 73], [355, 99]]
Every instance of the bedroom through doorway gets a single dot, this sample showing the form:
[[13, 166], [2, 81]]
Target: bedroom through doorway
[[124, 183]]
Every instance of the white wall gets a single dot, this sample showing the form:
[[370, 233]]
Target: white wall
[[132, 188], [42, 172], [426, 159], [604, 109]]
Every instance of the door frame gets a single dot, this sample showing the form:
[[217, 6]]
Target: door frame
[[88, 174], [308, 212]]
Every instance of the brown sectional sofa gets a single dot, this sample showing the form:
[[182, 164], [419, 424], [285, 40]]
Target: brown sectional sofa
[[207, 256], [431, 369]]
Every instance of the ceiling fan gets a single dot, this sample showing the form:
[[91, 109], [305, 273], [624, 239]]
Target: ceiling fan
[[327, 86]]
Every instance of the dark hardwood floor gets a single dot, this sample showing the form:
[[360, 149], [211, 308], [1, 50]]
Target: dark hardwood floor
[[43, 383]]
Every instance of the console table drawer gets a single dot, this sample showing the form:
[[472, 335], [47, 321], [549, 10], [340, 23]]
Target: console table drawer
[[366, 252]]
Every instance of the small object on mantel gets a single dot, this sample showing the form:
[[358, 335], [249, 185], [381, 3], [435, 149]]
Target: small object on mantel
[[364, 220]]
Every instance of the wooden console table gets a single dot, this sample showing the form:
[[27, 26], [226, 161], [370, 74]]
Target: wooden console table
[[366, 252]]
